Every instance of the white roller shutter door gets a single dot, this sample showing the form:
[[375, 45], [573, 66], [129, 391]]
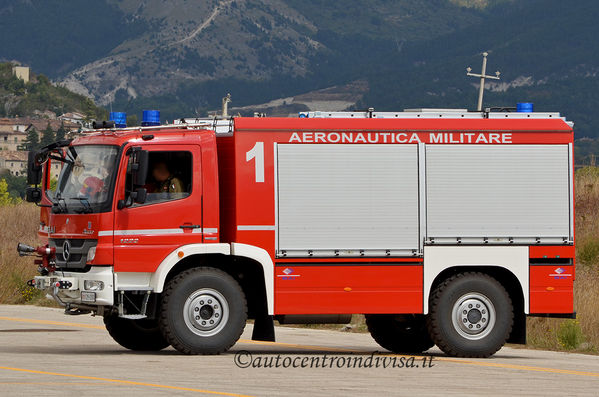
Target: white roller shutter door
[[347, 198]]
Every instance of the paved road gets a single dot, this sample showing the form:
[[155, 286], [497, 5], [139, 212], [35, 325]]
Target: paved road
[[43, 352]]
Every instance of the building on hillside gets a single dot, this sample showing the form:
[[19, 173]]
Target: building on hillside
[[12, 133], [45, 114], [22, 72], [72, 117], [19, 124], [41, 124], [14, 161], [56, 167]]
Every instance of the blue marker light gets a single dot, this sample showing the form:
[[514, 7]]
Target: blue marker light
[[119, 118], [524, 107], [150, 118]]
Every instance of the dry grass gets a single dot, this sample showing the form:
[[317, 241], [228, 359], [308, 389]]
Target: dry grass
[[586, 287], [19, 224], [581, 334], [586, 302]]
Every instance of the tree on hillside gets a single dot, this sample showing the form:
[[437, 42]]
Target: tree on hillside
[[89, 109], [47, 136], [132, 121], [61, 132], [16, 185], [32, 142]]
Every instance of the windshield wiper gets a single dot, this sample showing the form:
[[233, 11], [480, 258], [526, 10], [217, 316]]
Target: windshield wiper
[[87, 208]]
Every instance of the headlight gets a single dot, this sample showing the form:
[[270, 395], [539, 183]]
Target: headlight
[[93, 285], [91, 254]]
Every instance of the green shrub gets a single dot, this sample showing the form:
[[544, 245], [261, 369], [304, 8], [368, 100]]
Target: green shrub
[[588, 171], [569, 334], [588, 252]]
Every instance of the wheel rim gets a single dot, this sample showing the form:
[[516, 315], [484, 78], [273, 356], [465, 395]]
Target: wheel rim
[[473, 316], [206, 312]]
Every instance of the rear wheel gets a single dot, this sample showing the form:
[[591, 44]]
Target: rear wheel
[[139, 335], [203, 311], [399, 333], [470, 315]]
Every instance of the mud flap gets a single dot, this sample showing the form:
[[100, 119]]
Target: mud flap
[[264, 328], [518, 334]]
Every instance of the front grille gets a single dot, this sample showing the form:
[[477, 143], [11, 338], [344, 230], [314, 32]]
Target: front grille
[[79, 249], [75, 242]]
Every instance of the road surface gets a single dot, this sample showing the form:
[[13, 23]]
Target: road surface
[[43, 352]]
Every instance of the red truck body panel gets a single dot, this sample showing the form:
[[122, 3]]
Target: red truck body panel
[[360, 285]]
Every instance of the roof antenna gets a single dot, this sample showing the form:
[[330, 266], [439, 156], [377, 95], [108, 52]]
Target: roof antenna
[[226, 101], [482, 80]]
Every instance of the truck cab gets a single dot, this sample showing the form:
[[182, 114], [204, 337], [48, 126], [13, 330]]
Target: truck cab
[[98, 224]]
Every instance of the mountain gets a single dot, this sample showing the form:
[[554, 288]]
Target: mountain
[[130, 49], [183, 56], [545, 50]]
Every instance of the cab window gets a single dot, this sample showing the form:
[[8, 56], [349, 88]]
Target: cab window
[[169, 176]]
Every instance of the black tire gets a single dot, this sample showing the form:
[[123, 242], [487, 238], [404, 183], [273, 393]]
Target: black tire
[[217, 298], [140, 335], [399, 333], [454, 315]]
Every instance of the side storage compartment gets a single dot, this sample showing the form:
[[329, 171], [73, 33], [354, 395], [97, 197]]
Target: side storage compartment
[[551, 288]]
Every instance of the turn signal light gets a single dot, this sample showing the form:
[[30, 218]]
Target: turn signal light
[[91, 254]]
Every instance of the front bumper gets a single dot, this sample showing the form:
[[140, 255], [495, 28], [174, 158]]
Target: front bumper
[[72, 284]]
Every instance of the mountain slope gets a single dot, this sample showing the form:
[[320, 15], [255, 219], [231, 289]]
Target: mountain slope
[[184, 56], [544, 49], [155, 47], [55, 37]]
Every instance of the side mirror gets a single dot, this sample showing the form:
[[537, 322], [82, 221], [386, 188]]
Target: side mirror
[[140, 170], [139, 174], [33, 195], [34, 170], [140, 195]]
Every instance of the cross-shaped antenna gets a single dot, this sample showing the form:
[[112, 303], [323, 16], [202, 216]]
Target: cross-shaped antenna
[[226, 101], [482, 80]]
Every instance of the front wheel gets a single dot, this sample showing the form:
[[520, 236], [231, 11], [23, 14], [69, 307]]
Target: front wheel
[[203, 311], [140, 335], [470, 315]]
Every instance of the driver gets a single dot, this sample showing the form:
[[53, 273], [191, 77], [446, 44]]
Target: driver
[[166, 182]]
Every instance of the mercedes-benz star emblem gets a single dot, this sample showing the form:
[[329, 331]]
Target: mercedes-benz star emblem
[[66, 250]]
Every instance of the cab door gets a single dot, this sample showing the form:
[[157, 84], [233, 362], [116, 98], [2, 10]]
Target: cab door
[[144, 234]]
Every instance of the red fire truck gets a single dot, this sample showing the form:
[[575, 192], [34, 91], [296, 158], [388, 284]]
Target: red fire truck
[[443, 227]]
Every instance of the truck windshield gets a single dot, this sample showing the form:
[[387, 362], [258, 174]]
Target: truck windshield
[[85, 180]]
